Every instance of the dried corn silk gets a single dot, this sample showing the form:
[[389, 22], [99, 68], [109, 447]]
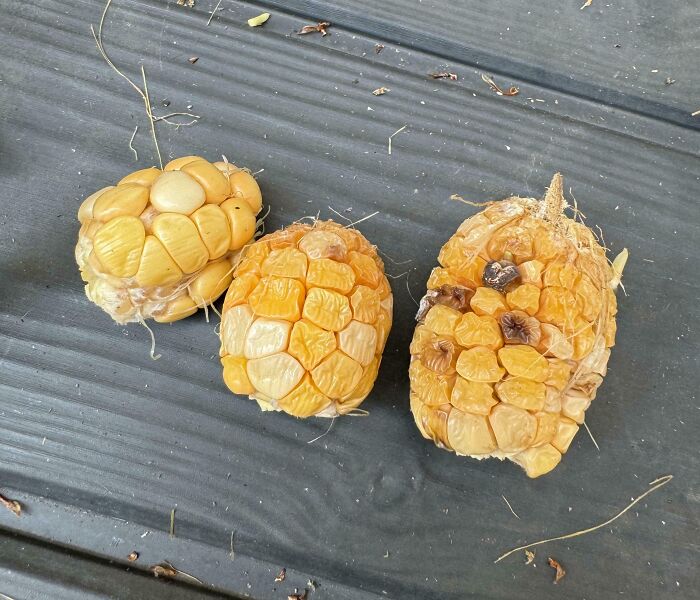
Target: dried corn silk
[[514, 333], [305, 320], [162, 243]]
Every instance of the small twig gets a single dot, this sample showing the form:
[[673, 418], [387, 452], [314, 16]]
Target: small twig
[[378, 48], [555, 565], [323, 434], [232, 554], [318, 28], [353, 223], [380, 91], [695, 114], [282, 576], [459, 198], [341, 216], [443, 75], [510, 507], [591, 436], [511, 91], [656, 484], [395, 133], [12, 505], [587, 3], [172, 523], [131, 141], [166, 569], [211, 16], [165, 119]]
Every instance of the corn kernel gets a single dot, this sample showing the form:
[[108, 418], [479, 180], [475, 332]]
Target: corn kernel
[[479, 364], [305, 400], [265, 337], [181, 307], [287, 262], [514, 428], [547, 426], [472, 396], [366, 269], [574, 405], [328, 273], [327, 309], [118, 245], [487, 301], [469, 434], [525, 297], [85, 210], [234, 327], [522, 393], [337, 375], [524, 361], [176, 192], [563, 275], [156, 266], [278, 298], [320, 244], [566, 431], [473, 330], [531, 272], [554, 343], [538, 461], [177, 163], [557, 307], [442, 320], [276, 375], [144, 177], [216, 187], [242, 221], [181, 239], [559, 373], [213, 228], [358, 341], [211, 282], [240, 289], [235, 375], [125, 200], [365, 304], [433, 389], [310, 344]]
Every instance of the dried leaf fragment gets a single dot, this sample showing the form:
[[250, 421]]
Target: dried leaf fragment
[[511, 91], [560, 570], [530, 556], [282, 575], [132, 556], [259, 20], [164, 570], [11, 505], [669, 81], [443, 75], [380, 91], [378, 48], [618, 265], [193, 59], [318, 28], [298, 596], [187, 3]]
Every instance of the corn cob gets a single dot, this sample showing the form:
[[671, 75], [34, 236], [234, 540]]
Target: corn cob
[[305, 320], [162, 244], [514, 333]]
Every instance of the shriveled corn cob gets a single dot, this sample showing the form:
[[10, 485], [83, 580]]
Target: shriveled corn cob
[[514, 333], [305, 320], [162, 244]]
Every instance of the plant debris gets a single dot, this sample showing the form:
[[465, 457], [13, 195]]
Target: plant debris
[[380, 91], [318, 28], [312, 584], [211, 16], [669, 81], [511, 91], [560, 570], [298, 596], [132, 556], [530, 557], [443, 75], [172, 523], [167, 570], [378, 48], [131, 141], [282, 575], [11, 505], [695, 114], [187, 3], [192, 59], [510, 508], [586, 3], [655, 485], [259, 20], [395, 133]]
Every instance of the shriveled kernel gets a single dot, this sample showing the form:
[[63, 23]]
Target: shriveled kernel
[[337, 375], [318, 244], [156, 266], [234, 328], [362, 389], [183, 306], [305, 400], [520, 328], [469, 434], [557, 307], [358, 341], [574, 405], [472, 396], [525, 297], [176, 192], [127, 199], [500, 275], [178, 163], [473, 330], [487, 301], [559, 373], [265, 337], [278, 298], [286, 262], [439, 277], [547, 426], [118, 245], [215, 185], [566, 431], [213, 227], [417, 405], [442, 320], [383, 326], [440, 356], [514, 428], [181, 239], [433, 389], [276, 375], [552, 400], [610, 331], [144, 177], [434, 420], [563, 275], [211, 282], [327, 309], [538, 461], [328, 273], [554, 343], [365, 304], [479, 364], [584, 338], [235, 375], [240, 289], [589, 298], [85, 210], [524, 361], [366, 270], [514, 241], [531, 272], [310, 344], [241, 220], [522, 393]]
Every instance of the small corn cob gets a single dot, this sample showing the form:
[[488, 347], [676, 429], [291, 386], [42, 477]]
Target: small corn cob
[[305, 320], [162, 244], [514, 333]]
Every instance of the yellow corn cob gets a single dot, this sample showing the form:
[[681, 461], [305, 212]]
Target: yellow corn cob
[[305, 320], [162, 244], [514, 334]]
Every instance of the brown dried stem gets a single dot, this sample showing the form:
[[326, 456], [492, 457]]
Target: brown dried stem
[[12, 505]]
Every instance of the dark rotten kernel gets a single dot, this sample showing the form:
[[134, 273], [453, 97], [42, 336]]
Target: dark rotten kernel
[[499, 273], [454, 296], [520, 328]]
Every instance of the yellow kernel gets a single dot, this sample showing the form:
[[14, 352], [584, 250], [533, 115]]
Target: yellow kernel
[[547, 426], [365, 304], [128, 199], [215, 185], [240, 289], [469, 434], [358, 341], [538, 461], [318, 244], [473, 330], [487, 301], [563, 275], [472, 396], [432, 388], [177, 163], [559, 373], [286, 262], [522, 393], [514, 428], [328, 273], [566, 431], [442, 320], [242, 221], [362, 389], [366, 269], [554, 343], [176, 192], [310, 344], [531, 272], [234, 329], [213, 228], [265, 337], [118, 245], [327, 309], [235, 375], [156, 268], [524, 361], [337, 375], [305, 400], [183, 306], [276, 375], [211, 282], [525, 297], [557, 306], [144, 177], [181, 239], [479, 364], [383, 326], [85, 210], [278, 298]]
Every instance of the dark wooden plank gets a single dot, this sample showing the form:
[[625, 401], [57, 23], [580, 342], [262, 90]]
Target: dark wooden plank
[[92, 424]]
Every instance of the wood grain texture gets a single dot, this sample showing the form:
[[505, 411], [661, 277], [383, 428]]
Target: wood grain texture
[[91, 426]]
